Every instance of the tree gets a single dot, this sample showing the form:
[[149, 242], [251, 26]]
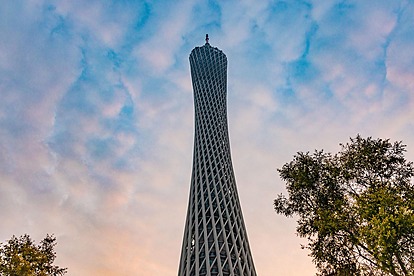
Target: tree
[[21, 256], [356, 208]]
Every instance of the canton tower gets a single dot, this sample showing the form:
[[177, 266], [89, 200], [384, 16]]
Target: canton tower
[[215, 238]]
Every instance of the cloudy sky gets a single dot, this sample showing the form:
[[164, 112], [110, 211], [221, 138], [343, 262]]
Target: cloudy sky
[[96, 116]]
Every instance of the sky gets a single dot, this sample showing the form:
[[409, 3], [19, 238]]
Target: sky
[[96, 116]]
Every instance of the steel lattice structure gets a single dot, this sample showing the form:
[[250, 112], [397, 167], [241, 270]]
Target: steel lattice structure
[[215, 239]]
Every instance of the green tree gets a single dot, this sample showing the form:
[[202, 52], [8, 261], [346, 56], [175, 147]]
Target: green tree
[[21, 256], [356, 208]]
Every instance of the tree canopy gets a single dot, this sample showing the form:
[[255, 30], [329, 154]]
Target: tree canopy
[[21, 256], [356, 207]]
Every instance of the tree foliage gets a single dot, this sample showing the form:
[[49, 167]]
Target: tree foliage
[[21, 256], [356, 208]]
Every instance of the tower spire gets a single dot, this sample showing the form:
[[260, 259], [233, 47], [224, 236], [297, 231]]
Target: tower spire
[[206, 38]]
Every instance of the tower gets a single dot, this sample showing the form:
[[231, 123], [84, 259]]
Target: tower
[[215, 238]]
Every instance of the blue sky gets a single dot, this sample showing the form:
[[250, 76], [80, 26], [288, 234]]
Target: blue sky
[[96, 116]]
